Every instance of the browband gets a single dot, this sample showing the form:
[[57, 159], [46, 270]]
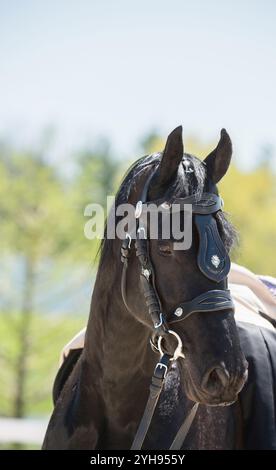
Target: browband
[[208, 203], [213, 259]]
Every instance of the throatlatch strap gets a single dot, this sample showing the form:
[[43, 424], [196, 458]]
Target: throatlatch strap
[[125, 254], [123, 284]]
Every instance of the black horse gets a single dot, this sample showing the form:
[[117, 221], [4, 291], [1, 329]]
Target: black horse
[[104, 397]]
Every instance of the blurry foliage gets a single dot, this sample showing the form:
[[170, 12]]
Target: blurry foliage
[[31, 203], [94, 179], [42, 220], [95, 173], [152, 142], [250, 199], [46, 337]]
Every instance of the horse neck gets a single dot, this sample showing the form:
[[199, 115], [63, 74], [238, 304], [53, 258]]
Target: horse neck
[[117, 345]]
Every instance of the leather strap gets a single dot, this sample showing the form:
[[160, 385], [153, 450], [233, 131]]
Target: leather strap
[[184, 429], [156, 386], [123, 284], [210, 301], [209, 203], [125, 254], [148, 283]]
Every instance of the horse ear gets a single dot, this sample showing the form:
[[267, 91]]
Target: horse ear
[[219, 159], [172, 156]]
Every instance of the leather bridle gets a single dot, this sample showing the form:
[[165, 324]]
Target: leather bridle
[[213, 261]]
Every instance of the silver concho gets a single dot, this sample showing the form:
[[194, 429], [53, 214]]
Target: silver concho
[[178, 312], [138, 209], [166, 205], [215, 261], [146, 273]]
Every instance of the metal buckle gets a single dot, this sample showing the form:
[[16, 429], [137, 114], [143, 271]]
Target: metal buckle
[[157, 325], [161, 366], [178, 350]]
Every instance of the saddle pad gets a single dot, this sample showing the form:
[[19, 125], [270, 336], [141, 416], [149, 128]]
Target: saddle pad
[[243, 276], [64, 372], [270, 282], [248, 307]]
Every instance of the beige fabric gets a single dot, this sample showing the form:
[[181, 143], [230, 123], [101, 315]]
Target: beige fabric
[[75, 343], [248, 306], [250, 297], [261, 295]]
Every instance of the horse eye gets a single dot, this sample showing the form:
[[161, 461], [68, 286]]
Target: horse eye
[[165, 249]]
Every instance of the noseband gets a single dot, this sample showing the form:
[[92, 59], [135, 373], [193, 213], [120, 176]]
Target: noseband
[[212, 260]]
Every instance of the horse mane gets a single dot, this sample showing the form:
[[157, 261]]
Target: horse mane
[[194, 183]]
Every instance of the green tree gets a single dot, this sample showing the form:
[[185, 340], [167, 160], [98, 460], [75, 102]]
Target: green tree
[[250, 199], [96, 177], [42, 222], [36, 226]]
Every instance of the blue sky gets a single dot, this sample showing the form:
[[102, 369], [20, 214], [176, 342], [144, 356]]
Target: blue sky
[[121, 68]]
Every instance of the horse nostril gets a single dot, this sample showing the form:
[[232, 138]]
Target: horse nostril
[[215, 380]]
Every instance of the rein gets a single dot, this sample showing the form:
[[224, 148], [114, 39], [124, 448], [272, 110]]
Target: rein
[[213, 261]]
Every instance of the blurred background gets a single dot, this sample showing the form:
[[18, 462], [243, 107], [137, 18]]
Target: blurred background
[[86, 87]]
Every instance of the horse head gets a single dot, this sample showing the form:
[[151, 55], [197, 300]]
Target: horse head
[[181, 294]]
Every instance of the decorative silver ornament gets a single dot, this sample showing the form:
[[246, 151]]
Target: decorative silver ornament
[[215, 261], [138, 209], [166, 205], [146, 273], [178, 312]]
